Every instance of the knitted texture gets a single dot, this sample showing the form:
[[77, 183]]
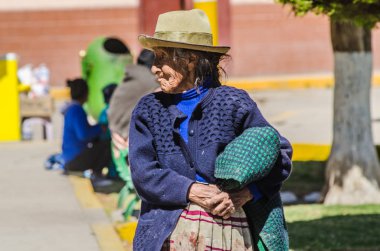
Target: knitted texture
[[247, 158], [149, 237], [217, 126], [266, 217], [159, 121]]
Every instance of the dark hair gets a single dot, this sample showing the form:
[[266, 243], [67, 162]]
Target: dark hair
[[207, 67], [146, 58], [108, 91], [115, 46], [78, 88]]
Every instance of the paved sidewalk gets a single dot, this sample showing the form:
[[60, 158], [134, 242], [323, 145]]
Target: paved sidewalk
[[38, 208]]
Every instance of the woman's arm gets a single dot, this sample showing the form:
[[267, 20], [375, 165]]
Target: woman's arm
[[153, 183], [224, 204], [272, 183]]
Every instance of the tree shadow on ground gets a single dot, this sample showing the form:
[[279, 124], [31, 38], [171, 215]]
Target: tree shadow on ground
[[349, 232]]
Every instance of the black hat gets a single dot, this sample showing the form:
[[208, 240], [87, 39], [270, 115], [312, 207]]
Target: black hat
[[108, 91], [146, 58]]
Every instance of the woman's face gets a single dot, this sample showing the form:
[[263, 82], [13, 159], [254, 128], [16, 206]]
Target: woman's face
[[171, 77]]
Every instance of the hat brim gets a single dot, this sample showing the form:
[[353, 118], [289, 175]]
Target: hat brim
[[149, 42]]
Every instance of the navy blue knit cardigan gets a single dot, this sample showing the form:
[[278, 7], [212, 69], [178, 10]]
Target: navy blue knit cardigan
[[163, 166]]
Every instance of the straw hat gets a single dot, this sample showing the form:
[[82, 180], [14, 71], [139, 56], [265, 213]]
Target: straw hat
[[189, 29]]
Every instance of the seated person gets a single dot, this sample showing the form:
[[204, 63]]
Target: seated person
[[81, 149]]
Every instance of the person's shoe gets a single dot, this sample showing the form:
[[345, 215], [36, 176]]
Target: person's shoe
[[65, 172], [100, 181], [54, 162]]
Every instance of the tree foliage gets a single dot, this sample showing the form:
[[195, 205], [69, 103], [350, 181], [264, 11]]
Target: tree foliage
[[362, 12]]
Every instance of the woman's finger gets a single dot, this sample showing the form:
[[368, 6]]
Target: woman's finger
[[115, 151], [217, 199], [219, 209], [202, 195], [228, 212], [241, 197], [119, 142], [222, 207]]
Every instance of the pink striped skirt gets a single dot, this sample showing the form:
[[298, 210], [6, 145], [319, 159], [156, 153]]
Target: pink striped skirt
[[198, 229]]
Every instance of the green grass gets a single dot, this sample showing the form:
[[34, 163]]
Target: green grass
[[318, 227]]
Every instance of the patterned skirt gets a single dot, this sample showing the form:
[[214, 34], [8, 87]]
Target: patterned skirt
[[198, 229]]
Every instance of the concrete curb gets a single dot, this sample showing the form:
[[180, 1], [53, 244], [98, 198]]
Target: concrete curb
[[84, 192], [107, 237], [290, 82], [310, 152], [60, 93], [285, 83], [105, 233]]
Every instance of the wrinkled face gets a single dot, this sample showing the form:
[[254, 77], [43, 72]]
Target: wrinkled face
[[172, 77]]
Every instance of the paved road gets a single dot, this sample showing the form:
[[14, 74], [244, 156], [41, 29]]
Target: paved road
[[305, 115], [38, 208]]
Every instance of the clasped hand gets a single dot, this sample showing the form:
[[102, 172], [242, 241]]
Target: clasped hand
[[118, 144], [216, 201]]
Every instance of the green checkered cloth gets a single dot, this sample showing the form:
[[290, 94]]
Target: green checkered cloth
[[247, 158]]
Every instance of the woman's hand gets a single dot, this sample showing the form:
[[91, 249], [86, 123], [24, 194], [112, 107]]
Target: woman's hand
[[201, 194], [241, 197], [224, 204], [118, 144]]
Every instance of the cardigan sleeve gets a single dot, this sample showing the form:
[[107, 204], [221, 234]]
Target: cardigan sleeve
[[153, 183], [271, 184]]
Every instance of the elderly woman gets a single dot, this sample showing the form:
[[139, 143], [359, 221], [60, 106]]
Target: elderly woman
[[175, 138]]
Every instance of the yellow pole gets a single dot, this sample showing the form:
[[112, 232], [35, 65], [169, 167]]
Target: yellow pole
[[210, 7], [10, 125]]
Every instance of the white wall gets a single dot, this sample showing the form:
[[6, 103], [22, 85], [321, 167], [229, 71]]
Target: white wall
[[18, 5]]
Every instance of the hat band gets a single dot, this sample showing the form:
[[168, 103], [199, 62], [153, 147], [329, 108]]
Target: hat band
[[196, 38]]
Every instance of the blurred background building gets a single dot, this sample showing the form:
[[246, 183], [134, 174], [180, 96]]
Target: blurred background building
[[266, 38]]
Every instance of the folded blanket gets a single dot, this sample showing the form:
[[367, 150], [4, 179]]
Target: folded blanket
[[247, 158]]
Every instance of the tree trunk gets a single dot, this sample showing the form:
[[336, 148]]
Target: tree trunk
[[353, 171]]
